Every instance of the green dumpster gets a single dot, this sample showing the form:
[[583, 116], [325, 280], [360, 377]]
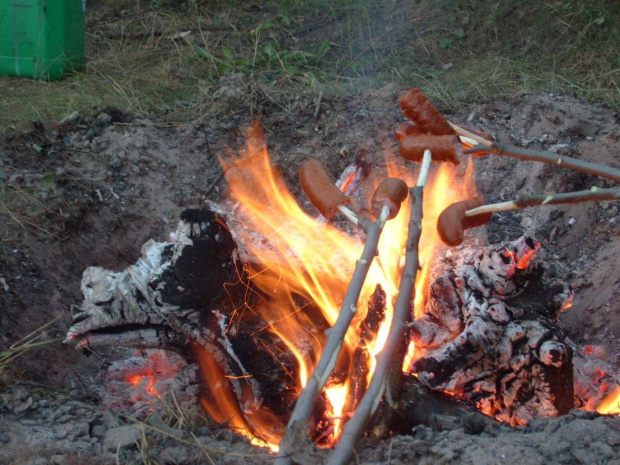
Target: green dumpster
[[41, 39]]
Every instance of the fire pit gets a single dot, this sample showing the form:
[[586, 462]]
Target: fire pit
[[251, 291]]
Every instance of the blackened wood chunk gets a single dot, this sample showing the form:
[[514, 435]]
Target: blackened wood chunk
[[489, 335], [419, 405], [202, 261], [165, 289], [169, 299]]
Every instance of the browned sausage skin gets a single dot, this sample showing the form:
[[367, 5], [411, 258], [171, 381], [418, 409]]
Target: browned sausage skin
[[391, 193], [443, 148], [320, 189], [423, 113], [452, 222], [406, 129]]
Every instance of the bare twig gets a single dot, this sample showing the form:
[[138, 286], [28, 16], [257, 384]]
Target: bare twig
[[370, 401], [524, 201], [214, 183], [305, 403], [317, 108], [486, 147]]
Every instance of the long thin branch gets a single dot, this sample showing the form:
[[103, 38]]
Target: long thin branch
[[496, 148], [305, 404], [524, 201], [354, 428]]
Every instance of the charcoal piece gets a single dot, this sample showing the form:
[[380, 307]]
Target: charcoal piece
[[420, 405], [201, 266]]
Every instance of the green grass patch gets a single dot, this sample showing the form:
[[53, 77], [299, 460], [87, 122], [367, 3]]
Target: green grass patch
[[167, 56]]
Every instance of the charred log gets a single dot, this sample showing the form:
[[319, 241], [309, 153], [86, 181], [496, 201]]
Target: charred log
[[489, 335], [173, 298], [420, 405]]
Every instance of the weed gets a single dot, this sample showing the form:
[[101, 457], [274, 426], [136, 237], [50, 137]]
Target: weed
[[27, 343], [167, 56]]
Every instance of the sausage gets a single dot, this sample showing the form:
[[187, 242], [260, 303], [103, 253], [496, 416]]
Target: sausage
[[406, 129], [443, 148], [320, 189], [452, 222], [423, 113], [391, 192]]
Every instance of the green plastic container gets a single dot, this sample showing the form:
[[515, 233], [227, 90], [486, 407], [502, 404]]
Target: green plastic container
[[41, 39]]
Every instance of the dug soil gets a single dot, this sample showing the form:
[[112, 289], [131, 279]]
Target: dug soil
[[92, 190]]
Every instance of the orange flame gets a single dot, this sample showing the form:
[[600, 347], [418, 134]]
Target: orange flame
[[308, 258], [224, 408]]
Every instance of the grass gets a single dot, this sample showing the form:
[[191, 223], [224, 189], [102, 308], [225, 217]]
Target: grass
[[33, 340], [176, 425], [168, 57]]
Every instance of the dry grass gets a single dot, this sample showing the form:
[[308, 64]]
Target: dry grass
[[167, 57], [35, 339]]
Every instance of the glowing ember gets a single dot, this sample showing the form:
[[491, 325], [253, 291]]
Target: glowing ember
[[147, 381], [347, 182], [568, 304], [150, 378], [610, 405], [527, 256], [308, 258]]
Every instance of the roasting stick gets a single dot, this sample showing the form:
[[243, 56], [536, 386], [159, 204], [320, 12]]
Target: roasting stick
[[523, 201], [354, 428], [457, 217], [488, 147], [315, 187]]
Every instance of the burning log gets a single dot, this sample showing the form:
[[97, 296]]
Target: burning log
[[368, 332], [168, 300], [489, 334], [420, 405]]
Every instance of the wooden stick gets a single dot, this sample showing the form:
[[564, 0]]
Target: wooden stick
[[524, 201], [496, 148], [305, 404], [317, 108], [370, 401]]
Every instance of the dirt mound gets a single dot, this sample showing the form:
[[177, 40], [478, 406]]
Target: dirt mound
[[91, 191]]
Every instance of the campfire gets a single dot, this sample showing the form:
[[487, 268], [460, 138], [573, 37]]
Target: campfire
[[306, 322]]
